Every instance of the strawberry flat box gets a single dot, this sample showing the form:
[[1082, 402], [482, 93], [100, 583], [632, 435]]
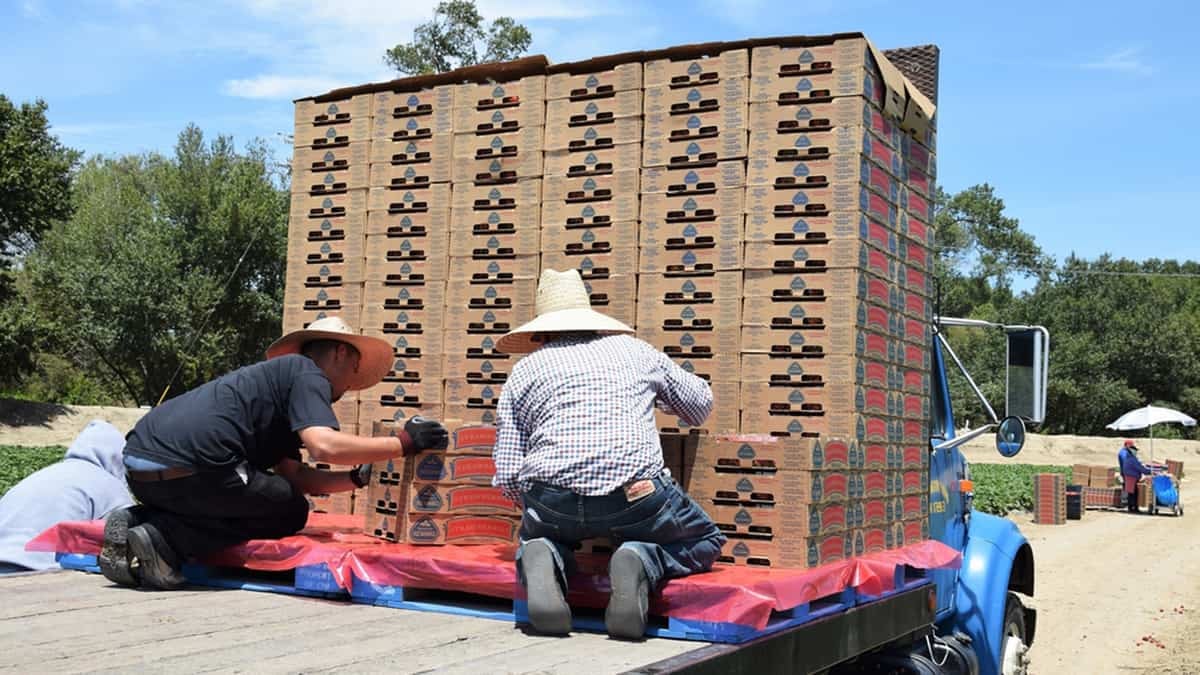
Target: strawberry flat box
[[767, 86], [596, 162], [331, 206], [751, 452], [652, 311], [660, 206], [486, 321], [818, 256], [370, 412], [722, 420], [697, 71], [384, 526], [695, 149], [611, 235], [818, 372], [517, 230], [499, 95], [445, 529], [593, 137], [810, 520], [472, 119], [710, 367], [413, 201], [395, 108], [460, 391], [318, 247], [833, 154], [471, 415], [310, 165], [566, 112], [403, 322], [497, 197], [815, 344], [424, 368], [509, 143], [340, 133], [298, 316], [881, 196], [491, 270], [722, 256], [836, 395], [458, 499], [489, 248], [859, 426], [614, 291], [504, 168], [412, 175], [685, 234], [406, 343], [724, 105], [423, 302], [515, 293], [847, 111], [320, 113], [614, 196], [338, 503], [418, 153], [397, 247], [476, 366], [658, 324], [677, 182], [688, 342], [849, 224], [434, 224], [594, 266], [410, 393], [704, 289], [601, 84], [709, 486], [400, 268], [331, 273], [837, 285]]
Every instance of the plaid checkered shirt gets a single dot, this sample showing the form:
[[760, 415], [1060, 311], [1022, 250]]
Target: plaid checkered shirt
[[578, 413]]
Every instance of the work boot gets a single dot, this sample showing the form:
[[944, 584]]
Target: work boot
[[155, 559], [548, 610], [114, 555], [629, 603]]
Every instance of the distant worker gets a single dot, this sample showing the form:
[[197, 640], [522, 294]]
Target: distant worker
[[1132, 470], [221, 464], [578, 445], [87, 484]]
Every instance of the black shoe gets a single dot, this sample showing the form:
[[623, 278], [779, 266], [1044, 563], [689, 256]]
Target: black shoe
[[152, 553], [548, 610], [114, 556], [625, 617]]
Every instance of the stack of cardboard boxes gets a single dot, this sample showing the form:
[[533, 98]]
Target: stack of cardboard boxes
[[759, 211], [1050, 499]]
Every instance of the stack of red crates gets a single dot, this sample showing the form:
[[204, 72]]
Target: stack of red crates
[[1049, 499]]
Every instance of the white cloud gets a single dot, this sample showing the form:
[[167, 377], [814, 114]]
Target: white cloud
[[1128, 61], [280, 86], [32, 9]]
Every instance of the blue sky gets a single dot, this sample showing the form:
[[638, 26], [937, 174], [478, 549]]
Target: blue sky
[[1085, 116]]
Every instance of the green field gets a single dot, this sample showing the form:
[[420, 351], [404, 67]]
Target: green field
[[17, 462], [1001, 488]]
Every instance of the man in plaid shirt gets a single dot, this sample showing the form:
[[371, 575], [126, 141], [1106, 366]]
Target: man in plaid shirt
[[578, 444]]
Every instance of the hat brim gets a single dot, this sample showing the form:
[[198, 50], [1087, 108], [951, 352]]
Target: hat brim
[[521, 340], [375, 354]]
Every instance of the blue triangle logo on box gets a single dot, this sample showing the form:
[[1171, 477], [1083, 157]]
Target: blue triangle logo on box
[[332, 109], [400, 366], [589, 185], [806, 56], [804, 113], [803, 141], [589, 236], [406, 246], [487, 392], [689, 204], [590, 134], [687, 340], [590, 159], [694, 69], [411, 148], [331, 133], [495, 166], [497, 143], [796, 397], [687, 313], [688, 367], [489, 317], [326, 225], [498, 92], [693, 96], [413, 100], [592, 82], [796, 339], [797, 312], [493, 268], [412, 125], [689, 287], [591, 109], [800, 170], [329, 157], [800, 254], [587, 212], [402, 317], [406, 268], [798, 284], [693, 149], [490, 292], [411, 173], [691, 178], [487, 367], [493, 218], [587, 264], [690, 230], [497, 117], [402, 342], [804, 85], [327, 203], [404, 294], [487, 343], [409, 197], [800, 198], [795, 369], [689, 258], [493, 242], [406, 222], [494, 194], [322, 295], [326, 248]]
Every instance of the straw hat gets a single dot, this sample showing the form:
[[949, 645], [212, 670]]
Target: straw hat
[[562, 307], [376, 354]]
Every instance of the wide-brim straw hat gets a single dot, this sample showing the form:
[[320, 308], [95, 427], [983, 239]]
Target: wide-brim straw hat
[[375, 354], [562, 307]]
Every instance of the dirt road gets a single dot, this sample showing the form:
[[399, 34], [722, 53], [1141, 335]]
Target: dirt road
[[1106, 582]]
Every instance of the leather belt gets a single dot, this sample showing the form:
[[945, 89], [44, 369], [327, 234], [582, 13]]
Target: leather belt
[[164, 474]]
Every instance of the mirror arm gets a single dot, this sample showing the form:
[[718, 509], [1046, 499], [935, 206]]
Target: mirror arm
[[959, 440], [963, 369]]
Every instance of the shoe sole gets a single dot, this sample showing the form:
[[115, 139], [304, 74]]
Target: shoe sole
[[549, 613], [142, 548], [625, 617], [114, 555]]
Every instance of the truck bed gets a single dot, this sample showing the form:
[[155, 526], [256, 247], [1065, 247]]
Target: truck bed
[[68, 621]]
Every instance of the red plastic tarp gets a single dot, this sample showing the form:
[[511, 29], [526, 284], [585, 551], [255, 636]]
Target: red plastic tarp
[[740, 595]]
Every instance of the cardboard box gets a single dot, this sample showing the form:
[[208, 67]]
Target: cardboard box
[[471, 394], [434, 224], [458, 499], [823, 157], [309, 304], [404, 174], [407, 344], [751, 453], [296, 317], [795, 87], [497, 197], [417, 202], [915, 228], [723, 256], [566, 112], [593, 137], [334, 133], [469, 439], [918, 156], [345, 410], [386, 527], [505, 266], [692, 113], [614, 197], [614, 296], [722, 419], [426, 156], [514, 144], [688, 343], [591, 239], [325, 245], [765, 201], [1050, 499], [916, 204], [917, 180], [820, 372], [788, 489], [513, 99], [594, 85], [370, 412], [332, 206], [837, 285], [596, 162], [698, 150], [848, 111], [452, 468], [812, 256], [781, 398], [347, 165], [462, 530], [508, 166], [699, 319], [723, 232], [470, 415], [1081, 474], [493, 369], [395, 266], [498, 230], [698, 71], [421, 306], [330, 274], [668, 209], [426, 368], [429, 107], [849, 224], [788, 314], [710, 367], [675, 291], [338, 503], [594, 266], [517, 293], [486, 321], [701, 180], [861, 427], [398, 248], [412, 394], [331, 112]]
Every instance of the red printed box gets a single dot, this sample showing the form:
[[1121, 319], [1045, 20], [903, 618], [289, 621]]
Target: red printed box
[[457, 499], [442, 467], [462, 530]]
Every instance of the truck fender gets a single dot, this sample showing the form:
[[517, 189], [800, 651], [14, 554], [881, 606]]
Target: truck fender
[[997, 558]]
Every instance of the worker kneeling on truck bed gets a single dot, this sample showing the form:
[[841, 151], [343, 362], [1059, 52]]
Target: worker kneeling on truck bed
[[577, 442], [221, 464]]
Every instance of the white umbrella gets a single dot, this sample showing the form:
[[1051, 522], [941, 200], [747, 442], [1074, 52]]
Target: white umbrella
[[1146, 418]]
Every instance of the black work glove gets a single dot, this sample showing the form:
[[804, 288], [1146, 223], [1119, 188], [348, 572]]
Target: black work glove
[[426, 434], [360, 475]]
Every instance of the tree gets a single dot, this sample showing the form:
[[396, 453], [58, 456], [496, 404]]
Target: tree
[[456, 37], [132, 277], [35, 191]]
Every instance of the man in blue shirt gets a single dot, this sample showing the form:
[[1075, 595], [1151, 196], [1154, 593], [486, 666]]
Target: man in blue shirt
[[221, 464], [1132, 470]]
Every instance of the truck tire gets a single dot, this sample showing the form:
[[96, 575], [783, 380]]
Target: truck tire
[[1014, 652]]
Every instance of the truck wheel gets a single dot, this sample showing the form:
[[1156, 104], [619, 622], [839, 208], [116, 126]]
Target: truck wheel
[[1014, 654]]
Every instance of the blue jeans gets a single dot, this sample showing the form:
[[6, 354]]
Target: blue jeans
[[668, 531]]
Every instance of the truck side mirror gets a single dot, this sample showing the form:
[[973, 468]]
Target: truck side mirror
[[1028, 362], [1010, 437]]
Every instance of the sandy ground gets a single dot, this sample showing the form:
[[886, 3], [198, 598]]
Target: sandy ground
[[1110, 588]]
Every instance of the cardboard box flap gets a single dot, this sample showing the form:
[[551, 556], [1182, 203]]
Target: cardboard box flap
[[918, 113], [902, 100]]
